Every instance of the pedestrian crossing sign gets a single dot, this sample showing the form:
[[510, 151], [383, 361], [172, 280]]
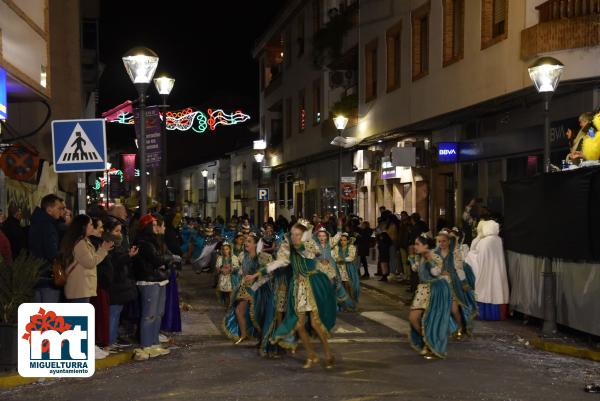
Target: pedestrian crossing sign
[[79, 145]]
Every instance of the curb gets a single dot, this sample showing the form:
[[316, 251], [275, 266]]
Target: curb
[[564, 349], [535, 342], [13, 380]]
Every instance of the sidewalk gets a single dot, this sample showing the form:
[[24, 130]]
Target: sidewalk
[[13, 379], [194, 324], [565, 344]]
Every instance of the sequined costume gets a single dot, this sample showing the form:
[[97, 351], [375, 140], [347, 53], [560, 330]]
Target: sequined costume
[[434, 297]]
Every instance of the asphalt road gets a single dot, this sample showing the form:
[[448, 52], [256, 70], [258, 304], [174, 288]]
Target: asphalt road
[[373, 362]]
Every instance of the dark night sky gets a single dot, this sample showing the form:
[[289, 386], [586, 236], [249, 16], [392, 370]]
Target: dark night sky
[[206, 47]]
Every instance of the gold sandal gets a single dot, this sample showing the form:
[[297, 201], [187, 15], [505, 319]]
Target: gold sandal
[[310, 362]]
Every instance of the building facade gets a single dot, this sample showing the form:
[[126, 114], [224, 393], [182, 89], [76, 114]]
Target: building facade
[[308, 65], [460, 95], [201, 196], [49, 56]]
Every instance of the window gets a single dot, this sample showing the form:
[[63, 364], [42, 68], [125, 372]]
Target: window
[[287, 58], [281, 192], [301, 111], [317, 102], [285, 195], [89, 34], [394, 50], [454, 16], [290, 190], [494, 22], [276, 132], [316, 15], [371, 71], [420, 41], [288, 117], [300, 37]]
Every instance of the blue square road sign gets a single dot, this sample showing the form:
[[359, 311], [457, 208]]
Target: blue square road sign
[[79, 145]]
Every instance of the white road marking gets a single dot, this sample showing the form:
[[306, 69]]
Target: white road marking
[[342, 327], [393, 322], [198, 324]]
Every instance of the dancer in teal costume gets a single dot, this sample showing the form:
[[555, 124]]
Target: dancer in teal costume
[[228, 269], [345, 257], [464, 305], [311, 300], [251, 311], [326, 264], [430, 310]]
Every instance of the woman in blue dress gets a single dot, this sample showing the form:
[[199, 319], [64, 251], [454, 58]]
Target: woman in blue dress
[[252, 309], [345, 258], [326, 264], [464, 305], [228, 270], [311, 299], [430, 310], [186, 234], [238, 245]]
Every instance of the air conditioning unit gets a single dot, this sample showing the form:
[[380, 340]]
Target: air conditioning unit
[[350, 78], [362, 160], [342, 78]]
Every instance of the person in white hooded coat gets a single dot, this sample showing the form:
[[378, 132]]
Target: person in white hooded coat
[[486, 257]]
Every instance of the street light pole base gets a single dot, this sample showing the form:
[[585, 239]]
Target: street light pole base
[[549, 327]]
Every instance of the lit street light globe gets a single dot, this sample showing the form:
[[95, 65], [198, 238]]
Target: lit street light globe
[[259, 157], [340, 122], [545, 74], [204, 173], [140, 63], [164, 85]]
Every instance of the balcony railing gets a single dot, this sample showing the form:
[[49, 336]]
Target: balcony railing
[[328, 42], [553, 10], [560, 34]]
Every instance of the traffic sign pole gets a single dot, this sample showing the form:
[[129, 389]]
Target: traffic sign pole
[[81, 193]]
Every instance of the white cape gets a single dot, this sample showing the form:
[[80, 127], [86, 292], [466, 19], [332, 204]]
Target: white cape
[[486, 257]]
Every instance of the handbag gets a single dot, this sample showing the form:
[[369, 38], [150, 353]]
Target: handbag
[[59, 273]]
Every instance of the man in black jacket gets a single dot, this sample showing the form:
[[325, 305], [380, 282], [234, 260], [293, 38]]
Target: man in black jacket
[[44, 243], [365, 232]]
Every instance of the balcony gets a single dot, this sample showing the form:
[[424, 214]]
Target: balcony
[[564, 24], [331, 41], [553, 10]]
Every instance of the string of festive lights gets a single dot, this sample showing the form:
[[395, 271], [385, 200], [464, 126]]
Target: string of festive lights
[[125, 118], [219, 117], [185, 120], [190, 119], [101, 181]]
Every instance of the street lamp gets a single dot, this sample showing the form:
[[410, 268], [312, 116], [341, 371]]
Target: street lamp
[[259, 157], [342, 142], [205, 177], [545, 74], [164, 86], [140, 64]]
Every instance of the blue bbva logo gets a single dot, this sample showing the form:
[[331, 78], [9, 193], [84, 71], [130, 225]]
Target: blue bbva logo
[[56, 340]]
